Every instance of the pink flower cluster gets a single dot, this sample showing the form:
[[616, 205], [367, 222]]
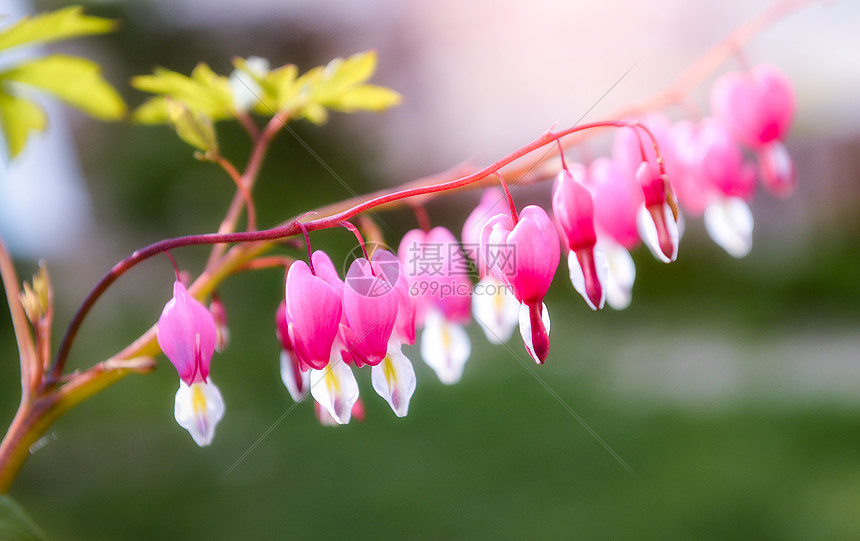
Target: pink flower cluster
[[327, 325]]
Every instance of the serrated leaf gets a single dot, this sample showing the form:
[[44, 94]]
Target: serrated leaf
[[204, 92], [15, 524], [195, 129], [365, 97], [18, 117], [54, 26], [77, 81]]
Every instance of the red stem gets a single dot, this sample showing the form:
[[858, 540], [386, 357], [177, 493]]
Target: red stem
[[241, 185], [513, 207], [357, 233]]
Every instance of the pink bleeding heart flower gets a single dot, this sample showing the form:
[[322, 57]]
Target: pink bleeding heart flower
[[712, 165], [657, 219], [758, 107], [370, 303], [294, 378], [719, 181], [313, 316], [525, 257], [186, 333], [437, 271], [573, 208]]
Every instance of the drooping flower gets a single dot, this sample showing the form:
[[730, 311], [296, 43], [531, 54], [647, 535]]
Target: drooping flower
[[525, 257], [186, 333], [573, 208], [370, 303], [758, 107], [437, 272], [657, 219], [717, 180], [494, 306], [313, 316]]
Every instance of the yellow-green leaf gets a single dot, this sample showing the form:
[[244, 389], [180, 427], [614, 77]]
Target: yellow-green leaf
[[365, 97], [283, 83], [153, 111], [314, 112], [18, 118], [195, 129], [204, 92], [53, 26], [341, 74], [77, 81]]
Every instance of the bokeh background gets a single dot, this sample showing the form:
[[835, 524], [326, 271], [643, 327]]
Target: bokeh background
[[730, 387]]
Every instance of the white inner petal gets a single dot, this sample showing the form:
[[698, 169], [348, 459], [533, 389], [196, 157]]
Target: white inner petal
[[198, 409], [445, 347], [394, 379], [288, 376], [526, 328], [730, 223], [335, 389], [496, 309], [621, 273], [648, 232], [577, 276]]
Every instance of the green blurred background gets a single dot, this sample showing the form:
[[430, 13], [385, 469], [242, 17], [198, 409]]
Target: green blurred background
[[730, 387]]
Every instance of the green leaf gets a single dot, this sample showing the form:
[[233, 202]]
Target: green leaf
[[204, 92], [195, 129], [367, 98], [15, 524], [18, 118], [54, 26], [77, 81]]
